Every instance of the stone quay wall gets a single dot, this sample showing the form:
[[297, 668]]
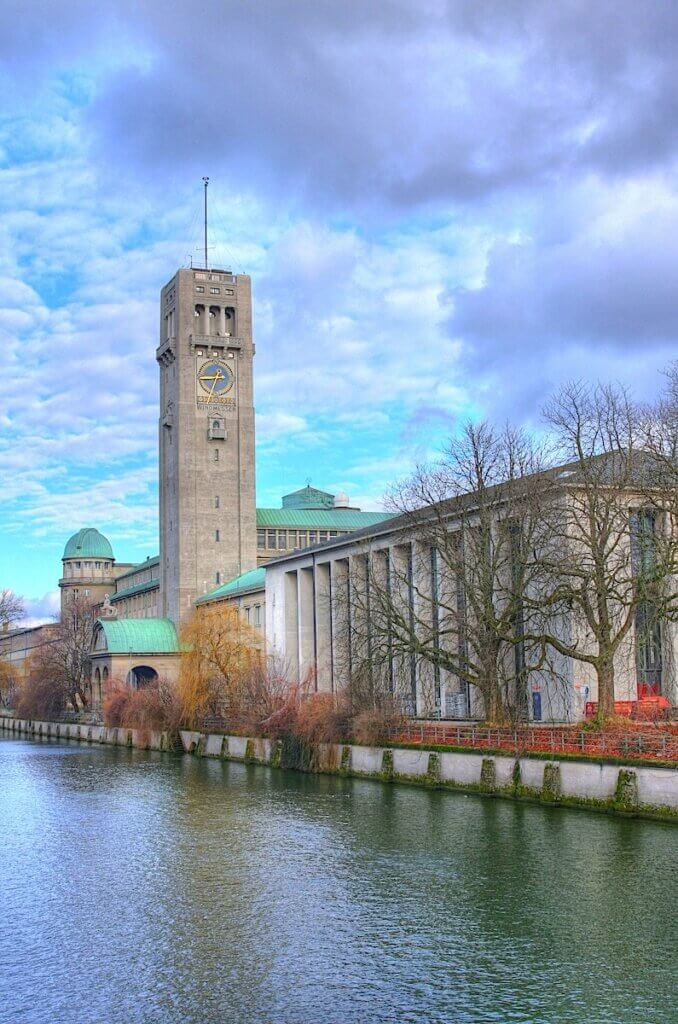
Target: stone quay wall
[[628, 789]]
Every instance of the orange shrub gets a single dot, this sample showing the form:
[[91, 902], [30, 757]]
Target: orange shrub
[[42, 699], [321, 718], [376, 726], [154, 707]]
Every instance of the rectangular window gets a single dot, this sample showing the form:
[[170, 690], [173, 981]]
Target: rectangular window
[[77, 565], [292, 539], [200, 288], [261, 538], [247, 613], [312, 537], [218, 578], [303, 538], [271, 538], [282, 540], [216, 501], [216, 535], [97, 565], [214, 291], [333, 533], [216, 454], [257, 615], [322, 535]]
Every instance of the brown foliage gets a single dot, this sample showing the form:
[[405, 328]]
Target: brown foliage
[[377, 725], [8, 685], [154, 707], [321, 718], [223, 670], [41, 696]]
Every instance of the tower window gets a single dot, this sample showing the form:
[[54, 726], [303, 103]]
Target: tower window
[[216, 535], [218, 578], [257, 615], [216, 501], [216, 454]]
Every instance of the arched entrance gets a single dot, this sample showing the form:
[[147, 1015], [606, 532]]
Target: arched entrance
[[141, 676]]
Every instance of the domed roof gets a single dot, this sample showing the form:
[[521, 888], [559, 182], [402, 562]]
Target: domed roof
[[88, 543]]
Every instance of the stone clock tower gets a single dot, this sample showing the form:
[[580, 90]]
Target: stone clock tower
[[207, 492]]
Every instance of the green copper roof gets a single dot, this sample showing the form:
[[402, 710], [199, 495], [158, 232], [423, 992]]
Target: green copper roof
[[88, 543], [140, 588], [308, 497], [250, 581], [147, 563], [321, 519], [139, 636]]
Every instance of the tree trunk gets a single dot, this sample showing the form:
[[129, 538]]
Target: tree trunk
[[605, 673]]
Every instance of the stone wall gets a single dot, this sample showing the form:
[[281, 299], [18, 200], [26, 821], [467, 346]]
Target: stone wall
[[624, 789], [140, 738]]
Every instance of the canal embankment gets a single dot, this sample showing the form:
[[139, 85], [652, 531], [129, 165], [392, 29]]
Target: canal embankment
[[642, 790]]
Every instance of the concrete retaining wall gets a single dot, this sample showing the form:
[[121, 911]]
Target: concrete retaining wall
[[142, 739], [629, 789], [561, 782]]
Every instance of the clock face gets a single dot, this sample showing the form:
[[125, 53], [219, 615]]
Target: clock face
[[215, 378]]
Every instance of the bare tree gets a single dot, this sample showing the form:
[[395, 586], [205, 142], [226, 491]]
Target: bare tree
[[446, 598], [65, 659], [11, 607], [607, 556]]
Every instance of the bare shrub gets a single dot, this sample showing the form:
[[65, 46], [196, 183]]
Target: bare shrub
[[376, 726], [322, 718], [153, 708], [41, 697], [116, 704]]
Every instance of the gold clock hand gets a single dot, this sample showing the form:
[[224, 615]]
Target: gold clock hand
[[218, 376]]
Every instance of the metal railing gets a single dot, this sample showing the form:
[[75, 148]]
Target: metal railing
[[653, 742]]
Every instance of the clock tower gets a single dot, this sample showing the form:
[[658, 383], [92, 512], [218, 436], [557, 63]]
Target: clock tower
[[207, 492]]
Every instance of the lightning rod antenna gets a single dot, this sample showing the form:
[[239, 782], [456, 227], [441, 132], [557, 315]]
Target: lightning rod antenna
[[206, 182]]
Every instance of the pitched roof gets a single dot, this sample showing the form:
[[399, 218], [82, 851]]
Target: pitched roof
[[308, 497], [321, 519], [248, 583], [139, 636], [147, 563], [139, 588]]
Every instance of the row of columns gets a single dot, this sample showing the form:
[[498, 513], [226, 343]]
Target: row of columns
[[324, 645], [214, 320]]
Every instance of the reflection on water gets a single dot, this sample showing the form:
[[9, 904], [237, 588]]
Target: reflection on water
[[138, 887]]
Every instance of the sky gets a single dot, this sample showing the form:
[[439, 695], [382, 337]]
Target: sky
[[447, 207]]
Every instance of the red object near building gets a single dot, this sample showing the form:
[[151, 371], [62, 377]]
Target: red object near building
[[644, 707]]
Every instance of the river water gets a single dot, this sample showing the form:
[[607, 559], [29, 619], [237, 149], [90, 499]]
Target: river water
[[141, 887]]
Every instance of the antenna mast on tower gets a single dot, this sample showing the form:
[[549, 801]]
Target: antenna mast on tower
[[206, 182]]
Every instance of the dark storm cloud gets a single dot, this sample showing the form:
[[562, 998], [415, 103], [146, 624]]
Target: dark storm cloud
[[617, 291], [532, 121], [405, 102]]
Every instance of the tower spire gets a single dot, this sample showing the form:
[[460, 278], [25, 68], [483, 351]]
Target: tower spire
[[206, 182]]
